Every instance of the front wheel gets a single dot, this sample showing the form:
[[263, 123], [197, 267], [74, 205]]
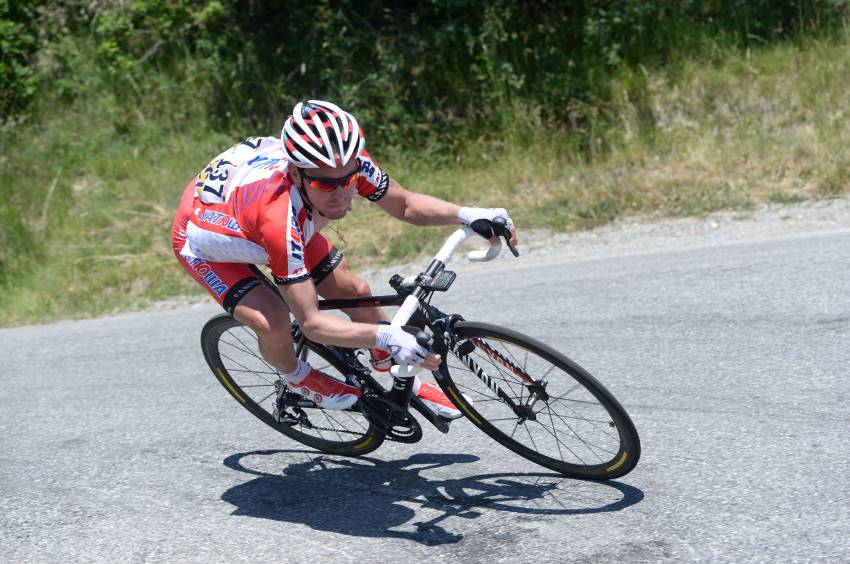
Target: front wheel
[[538, 403]]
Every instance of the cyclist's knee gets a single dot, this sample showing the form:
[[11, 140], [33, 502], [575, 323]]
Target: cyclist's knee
[[360, 288], [344, 283], [273, 328], [354, 286], [266, 314]]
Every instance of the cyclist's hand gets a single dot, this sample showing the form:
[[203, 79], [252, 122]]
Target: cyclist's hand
[[399, 342], [474, 216]]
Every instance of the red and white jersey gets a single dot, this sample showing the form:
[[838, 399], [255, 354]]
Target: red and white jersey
[[247, 212]]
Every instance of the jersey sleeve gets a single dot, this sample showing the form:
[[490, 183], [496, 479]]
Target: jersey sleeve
[[372, 183], [284, 241]]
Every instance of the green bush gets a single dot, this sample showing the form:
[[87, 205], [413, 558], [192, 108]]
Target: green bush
[[417, 72], [17, 54]]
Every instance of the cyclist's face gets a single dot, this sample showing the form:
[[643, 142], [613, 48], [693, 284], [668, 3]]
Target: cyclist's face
[[333, 204]]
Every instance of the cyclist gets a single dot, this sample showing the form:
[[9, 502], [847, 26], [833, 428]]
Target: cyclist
[[265, 201]]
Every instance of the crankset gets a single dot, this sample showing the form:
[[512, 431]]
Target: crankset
[[390, 419]]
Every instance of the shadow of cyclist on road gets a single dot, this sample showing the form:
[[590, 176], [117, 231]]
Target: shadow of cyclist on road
[[371, 498]]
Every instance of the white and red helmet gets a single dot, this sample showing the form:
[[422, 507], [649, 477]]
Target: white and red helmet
[[320, 133]]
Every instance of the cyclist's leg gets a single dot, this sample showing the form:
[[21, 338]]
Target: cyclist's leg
[[238, 289], [334, 279], [263, 310]]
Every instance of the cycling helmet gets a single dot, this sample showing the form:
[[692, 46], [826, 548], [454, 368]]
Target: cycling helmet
[[319, 133]]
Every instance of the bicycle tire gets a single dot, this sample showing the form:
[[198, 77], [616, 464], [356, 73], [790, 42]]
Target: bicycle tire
[[602, 461], [368, 437]]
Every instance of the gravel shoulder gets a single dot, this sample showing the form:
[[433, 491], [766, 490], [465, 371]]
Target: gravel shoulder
[[648, 235]]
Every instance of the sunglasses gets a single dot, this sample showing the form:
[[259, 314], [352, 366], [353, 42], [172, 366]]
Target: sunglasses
[[330, 184]]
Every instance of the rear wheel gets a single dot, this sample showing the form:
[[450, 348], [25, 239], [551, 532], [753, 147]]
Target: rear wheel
[[562, 419], [232, 354]]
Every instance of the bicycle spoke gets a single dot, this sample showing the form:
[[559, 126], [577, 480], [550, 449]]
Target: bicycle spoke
[[265, 398], [601, 429], [333, 422], [565, 399], [515, 428], [245, 367], [584, 442], [551, 368], [247, 350], [558, 441], [543, 409], [467, 388], [530, 437], [253, 371], [239, 348]]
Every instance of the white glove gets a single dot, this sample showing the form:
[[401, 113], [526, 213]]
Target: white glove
[[468, 215], [401, 344]]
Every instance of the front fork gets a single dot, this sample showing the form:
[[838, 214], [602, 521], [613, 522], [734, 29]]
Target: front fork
[[536, 388]]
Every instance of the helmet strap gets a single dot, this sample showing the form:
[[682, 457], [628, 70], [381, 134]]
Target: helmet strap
[[310, 206]]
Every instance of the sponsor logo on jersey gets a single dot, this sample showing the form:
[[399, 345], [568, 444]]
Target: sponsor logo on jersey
[[367, 168], [263, 162], [221, 219], [296, 249], [204, 270]]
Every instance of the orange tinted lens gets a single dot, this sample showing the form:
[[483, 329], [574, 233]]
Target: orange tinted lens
[[321, 185], [349, 182], [330, 185]]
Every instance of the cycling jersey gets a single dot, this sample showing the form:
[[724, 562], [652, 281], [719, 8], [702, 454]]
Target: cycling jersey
[[245, 210]]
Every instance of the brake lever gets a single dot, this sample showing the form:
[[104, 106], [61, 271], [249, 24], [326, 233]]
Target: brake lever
[[500, 227]]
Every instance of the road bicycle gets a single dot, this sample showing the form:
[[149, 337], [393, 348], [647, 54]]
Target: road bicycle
[[524, 394]]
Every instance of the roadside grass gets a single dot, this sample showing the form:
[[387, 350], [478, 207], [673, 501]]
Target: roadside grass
[[99, 197], [89, 192]]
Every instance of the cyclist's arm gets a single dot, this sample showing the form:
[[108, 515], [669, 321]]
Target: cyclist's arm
[[418, 209], [422, 209], [317, 326], [303, 302]]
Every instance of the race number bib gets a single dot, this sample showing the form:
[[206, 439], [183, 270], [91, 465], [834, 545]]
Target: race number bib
[[212, 181]]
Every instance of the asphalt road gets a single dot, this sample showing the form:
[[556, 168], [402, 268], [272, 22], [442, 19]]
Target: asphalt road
[[116, 443]]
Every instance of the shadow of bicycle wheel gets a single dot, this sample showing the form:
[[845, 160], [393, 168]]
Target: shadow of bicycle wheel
[[368, 497]]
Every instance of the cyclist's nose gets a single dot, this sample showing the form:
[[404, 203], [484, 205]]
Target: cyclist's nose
[[342, 193]]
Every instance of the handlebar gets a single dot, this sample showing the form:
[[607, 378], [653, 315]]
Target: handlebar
[[486, 255]]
